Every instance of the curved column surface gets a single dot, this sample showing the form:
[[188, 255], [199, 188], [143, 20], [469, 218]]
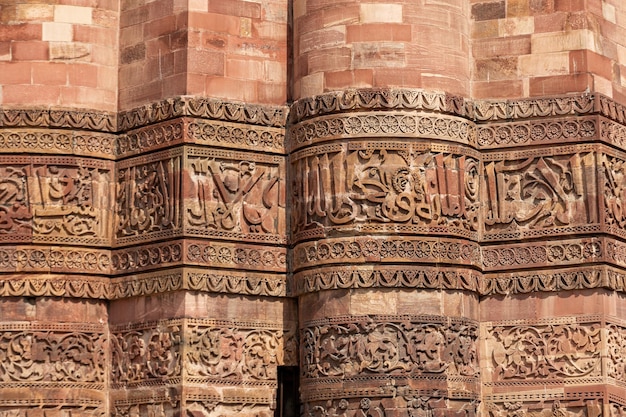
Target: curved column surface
[[384, 43], [385, 227]]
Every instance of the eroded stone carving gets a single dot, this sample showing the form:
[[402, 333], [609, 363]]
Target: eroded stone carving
[[231, 353], [15, 210], [589, 408]]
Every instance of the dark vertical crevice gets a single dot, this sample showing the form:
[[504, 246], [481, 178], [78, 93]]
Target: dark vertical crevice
[[288, 392]]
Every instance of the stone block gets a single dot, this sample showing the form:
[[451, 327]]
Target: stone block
[[57, 32], [29, 51], [73, 14], [34, 12], [374, 32], [236, 8], [489, 10], [565, 84], [360, 78], [322, 39], [380, 13], [49, 73], [564, 41], [544, 64]]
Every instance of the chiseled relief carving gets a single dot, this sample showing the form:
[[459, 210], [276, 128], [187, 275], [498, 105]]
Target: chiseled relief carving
[[616, 349], [557, 408], [55, 411], [544, 351], [237, 353], [54, 200], [15, 209], [364, 407], [70, 201], [535, 193], [156, 408], [403, 403], [615, 193], [148, 198], [339, 186], [409, 346], [241, 198], [59, 354], [146, 354], [241, 408]]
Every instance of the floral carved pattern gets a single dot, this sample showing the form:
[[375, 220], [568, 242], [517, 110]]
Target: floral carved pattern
[[409, 346], [551, 351], [145, 354], [52, 356]]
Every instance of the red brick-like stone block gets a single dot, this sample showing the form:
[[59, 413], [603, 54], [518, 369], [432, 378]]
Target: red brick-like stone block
[[236, 8], [565, 84], [349, 79], [378, 32], [489, 10], [29, 51], [20, 32]]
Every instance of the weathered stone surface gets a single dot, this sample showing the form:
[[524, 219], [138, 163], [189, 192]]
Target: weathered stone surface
[[417, 205]]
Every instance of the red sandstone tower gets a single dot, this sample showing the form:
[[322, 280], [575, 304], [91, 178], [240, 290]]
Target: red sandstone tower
[[355, 208]]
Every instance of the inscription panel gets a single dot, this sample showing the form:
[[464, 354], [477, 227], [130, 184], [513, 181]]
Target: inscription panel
[[385, 187], [235, 195]]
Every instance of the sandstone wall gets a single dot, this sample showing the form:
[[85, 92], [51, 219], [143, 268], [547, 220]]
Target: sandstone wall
[[418, 203]]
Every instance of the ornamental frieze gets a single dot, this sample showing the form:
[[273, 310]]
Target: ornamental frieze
[[496, 135], [149, 138], [524, 282], [206, 108], [51, 141], [360, 250], [240, 136], [382, 124], [370, 276]]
